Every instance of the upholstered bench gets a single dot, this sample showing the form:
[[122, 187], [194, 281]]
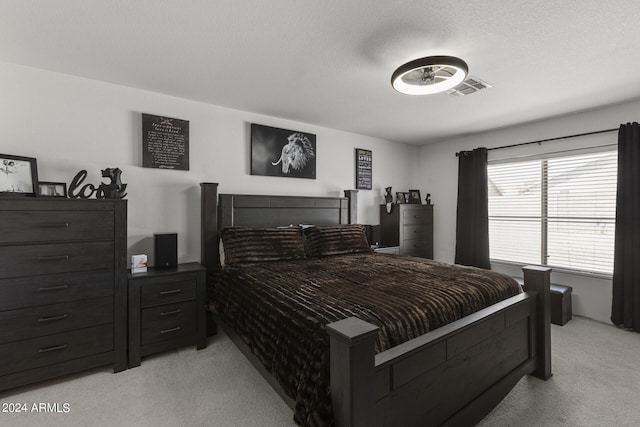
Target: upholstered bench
[[560, 302]]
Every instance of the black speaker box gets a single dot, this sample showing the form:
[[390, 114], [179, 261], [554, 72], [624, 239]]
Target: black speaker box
[[373, 234], [166, 250]]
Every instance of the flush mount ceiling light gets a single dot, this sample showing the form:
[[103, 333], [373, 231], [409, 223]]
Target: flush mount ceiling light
[[429, 75]]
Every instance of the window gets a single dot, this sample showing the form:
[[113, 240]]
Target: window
[[556, 211]]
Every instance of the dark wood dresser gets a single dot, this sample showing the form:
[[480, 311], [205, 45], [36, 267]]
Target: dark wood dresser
[[408, 226], [167, 310], [63, 287]]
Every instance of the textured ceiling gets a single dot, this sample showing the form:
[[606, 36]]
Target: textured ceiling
[[329, 62]]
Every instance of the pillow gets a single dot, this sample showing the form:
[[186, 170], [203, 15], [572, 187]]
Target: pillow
[[247, 244], [336, 240]]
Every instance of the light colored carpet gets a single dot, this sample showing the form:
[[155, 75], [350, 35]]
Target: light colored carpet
[[596, 382]]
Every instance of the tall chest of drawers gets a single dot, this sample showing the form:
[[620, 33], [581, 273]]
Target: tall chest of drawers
[[63, 287], [409, 226]]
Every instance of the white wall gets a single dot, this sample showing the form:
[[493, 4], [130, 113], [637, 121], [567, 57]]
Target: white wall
[[70, 123], [438, 174]]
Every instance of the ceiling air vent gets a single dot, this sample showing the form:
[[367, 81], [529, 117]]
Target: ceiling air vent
[[469, 86]]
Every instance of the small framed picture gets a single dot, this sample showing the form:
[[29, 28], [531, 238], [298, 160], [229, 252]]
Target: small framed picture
[[18, 175], [139, 263], [414, 197], [401, 197], [52, 189]]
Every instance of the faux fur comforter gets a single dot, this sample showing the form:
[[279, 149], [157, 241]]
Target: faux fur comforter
[[280, 310]]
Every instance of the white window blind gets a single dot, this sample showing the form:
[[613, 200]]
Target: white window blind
[[557, 211]]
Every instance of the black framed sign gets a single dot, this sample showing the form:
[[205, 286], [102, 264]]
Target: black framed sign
[[282, 152], [165, 142], [364, 176]]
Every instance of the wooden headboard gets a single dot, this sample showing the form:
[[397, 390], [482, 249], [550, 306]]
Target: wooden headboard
[[224, 210]]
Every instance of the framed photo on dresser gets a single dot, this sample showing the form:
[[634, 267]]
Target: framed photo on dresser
[[52, 189], [18, 175], [414, 197]]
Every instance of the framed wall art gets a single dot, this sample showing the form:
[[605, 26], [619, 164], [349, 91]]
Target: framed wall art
[[18, 175], [364, 177], [282, 152], [165, 142], [52, 189]]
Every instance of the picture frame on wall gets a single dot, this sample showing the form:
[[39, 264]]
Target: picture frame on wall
[[52, 189], [414, 197], [282, 152], [18, 175]]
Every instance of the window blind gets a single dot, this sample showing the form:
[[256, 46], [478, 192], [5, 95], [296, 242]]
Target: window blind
[[554, 211]]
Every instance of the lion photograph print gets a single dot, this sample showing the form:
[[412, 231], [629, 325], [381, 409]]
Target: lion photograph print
[[282, 152]]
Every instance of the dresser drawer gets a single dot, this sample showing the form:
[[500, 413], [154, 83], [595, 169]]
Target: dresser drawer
[[22, 355], [23, 292], [167, 290], [417, 215], [415, 231], [25, 260], [47, 226], [167, 330], [55, 318], [416, 247]]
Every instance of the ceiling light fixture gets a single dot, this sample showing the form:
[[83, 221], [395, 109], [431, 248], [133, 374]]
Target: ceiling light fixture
[[429, 75]]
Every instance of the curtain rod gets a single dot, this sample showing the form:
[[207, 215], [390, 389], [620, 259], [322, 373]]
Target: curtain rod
[[540, 141]]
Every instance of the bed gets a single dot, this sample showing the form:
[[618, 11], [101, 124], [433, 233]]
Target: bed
[[361, 369]]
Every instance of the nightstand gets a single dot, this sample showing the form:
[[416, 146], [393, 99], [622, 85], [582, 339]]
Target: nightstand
[[167, 310]]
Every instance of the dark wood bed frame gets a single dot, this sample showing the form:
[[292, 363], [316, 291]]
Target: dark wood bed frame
[[454, 375]]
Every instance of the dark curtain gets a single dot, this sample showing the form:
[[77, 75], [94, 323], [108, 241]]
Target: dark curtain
[[472, 224], [625, 310]]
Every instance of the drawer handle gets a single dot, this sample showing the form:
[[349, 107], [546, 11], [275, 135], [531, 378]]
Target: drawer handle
[[53, 288], [55, 225], [166, 331], [173, 291], [54, 258], [52, 318], [169, 313], [54, 348]]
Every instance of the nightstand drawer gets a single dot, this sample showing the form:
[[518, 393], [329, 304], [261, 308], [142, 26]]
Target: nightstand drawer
[[23, 292], [48, 226], [22, 355], [167, 330], [55, 318], [167, 290], [24, 260], [167, 313]]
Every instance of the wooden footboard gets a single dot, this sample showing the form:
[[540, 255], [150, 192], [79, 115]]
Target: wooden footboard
[[454, 375]]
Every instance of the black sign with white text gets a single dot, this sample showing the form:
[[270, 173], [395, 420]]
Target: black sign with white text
[[165, 142]]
